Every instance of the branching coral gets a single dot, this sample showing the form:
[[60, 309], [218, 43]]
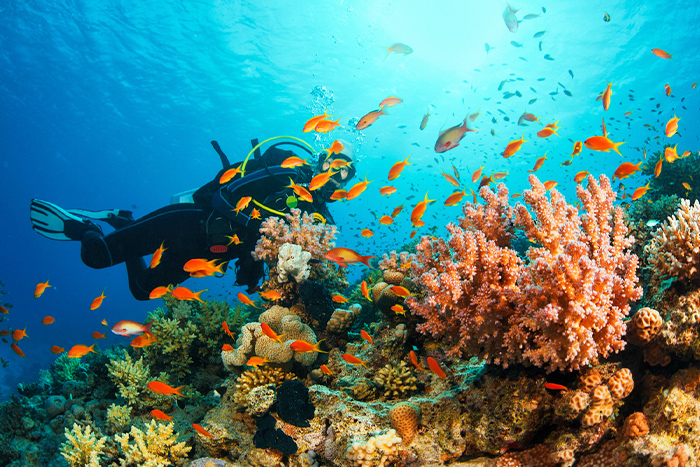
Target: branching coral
[[83, 448], [131, 379], [562, 310], [118, 417], [157, 447]]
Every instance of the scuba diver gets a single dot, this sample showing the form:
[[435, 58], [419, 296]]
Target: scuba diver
[[202, 223]]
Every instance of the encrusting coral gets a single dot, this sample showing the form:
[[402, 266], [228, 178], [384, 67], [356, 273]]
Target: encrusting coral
[[561, 311], [157, 447], [397, 380], [83, 448], [292, 261], [257, 377]]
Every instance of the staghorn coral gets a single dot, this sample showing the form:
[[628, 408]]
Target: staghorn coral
[[83, 448], [674, 249], [561, 311], [118, 417], [156, 447], [398, 381], [258, 377]]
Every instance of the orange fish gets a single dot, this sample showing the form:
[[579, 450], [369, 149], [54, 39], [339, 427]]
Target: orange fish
[[450, 138], [386, 220], [158, 292], [605, 130], [530, 117], [397, 210], [639, 192], [96, 303], [580, 176], [244, 299], [242, 203], [321, 179], [366, 336], [455, 198], [339, 163], [229, 175], [300, 191], [514, 146], [56, 349], [301, 346], [390, 102], [387, 190], [477, 174], [78, 351], [144, 340], [671, 154], [4, 310], [420, 208], [255, 214], [293, 161], [339, 194], [538, 164], [396, 169], [353, 360], [313, 121], [657, 168], [358, 188], [414, 360], [667, 89], [345, 256], [324, 126], [164, 389], [337, 298], [661, 53], [367, 120], [365, 290], [226, 347], [450, 178], [183, 293], [5, 332], [257, 361], [402, 292], [202, 431], [98, 335], [19, 334], [398, 48], [602, 143], [326, 370], [271, 334], [500, 175], [226, 329], [606, 96], [335, 148], [270, 295], [160, 415], [366, 233], [626, 169], [546, 132], [128, 328], [17, 350], [578, 145], [435, 368], [47, 320], [548, 185], [39, 289], [398, 309], [672, 126], [686, 186], [157, 255], [555, 387]]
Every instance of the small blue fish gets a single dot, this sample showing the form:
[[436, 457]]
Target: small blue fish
[[488, 48], [531, 16], [516, 44], [548, 57], [571, 73], [568, 93], [540, 46], [506, 119], [532, 101], [539, 34]]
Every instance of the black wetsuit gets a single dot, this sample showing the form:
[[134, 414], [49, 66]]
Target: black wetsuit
[[203, 229]]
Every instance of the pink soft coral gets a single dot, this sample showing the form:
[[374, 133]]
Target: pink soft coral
[[562, 310]]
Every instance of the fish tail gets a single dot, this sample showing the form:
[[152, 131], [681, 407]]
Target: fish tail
[[147, 328], [177, 391], [317, 348], [615, 145], [365, 260], [198, 297], [279, 338]]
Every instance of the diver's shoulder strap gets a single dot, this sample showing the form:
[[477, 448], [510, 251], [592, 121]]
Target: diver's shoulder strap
[[224, 160]]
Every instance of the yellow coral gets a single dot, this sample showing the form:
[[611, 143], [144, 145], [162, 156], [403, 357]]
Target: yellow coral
[[257, 377], [83, 448], [397, 380], [157, 447], [131, 379], [118, 417], [174, 340]]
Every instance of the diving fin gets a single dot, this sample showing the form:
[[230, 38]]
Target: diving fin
[[116, 218], [57, 223]]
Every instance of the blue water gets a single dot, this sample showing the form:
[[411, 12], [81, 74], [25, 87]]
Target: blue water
[[113, 104]]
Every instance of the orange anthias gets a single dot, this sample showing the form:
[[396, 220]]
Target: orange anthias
[[420, 208], [96, 303], [271, 334], [450, 138], [300, 191], [47, 320], [335, 148], [358, 188], [160, 415], [271, 295], [396, 169], [39, 289], [256, 361], [435, 367], [661, 53], [321, 179], [580, 176], [477, 174], [164, 389], [144, 340], [17, 350], [366, 233], [157, 255], [639, 192], [19, 334], [672, 126], [364, 288], [390, 102], [353, 360], [229, 174], [387, 190], [626, 169], [455, 198], [366, 336], [513, 147], [242, 203], [302, 346], [657, 167], [345, 256], [226, 329], [386, 220], [158, 292], [313, 121], [183, 293], [602, 143], [293, 161], [453, 181], [244, 299], [202, 431], [606, 96], [368, 119], [414, 360], [538, 164], [78, 351]]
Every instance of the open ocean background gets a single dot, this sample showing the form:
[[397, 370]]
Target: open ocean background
[[112, 104]]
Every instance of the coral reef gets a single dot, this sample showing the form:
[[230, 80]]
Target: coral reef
[[131, 378], [378, 451], [258, 377], [118, 417], [397, 381], [83, 448], [155, 447], [404, 417], [563, 310], [292, 261]]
